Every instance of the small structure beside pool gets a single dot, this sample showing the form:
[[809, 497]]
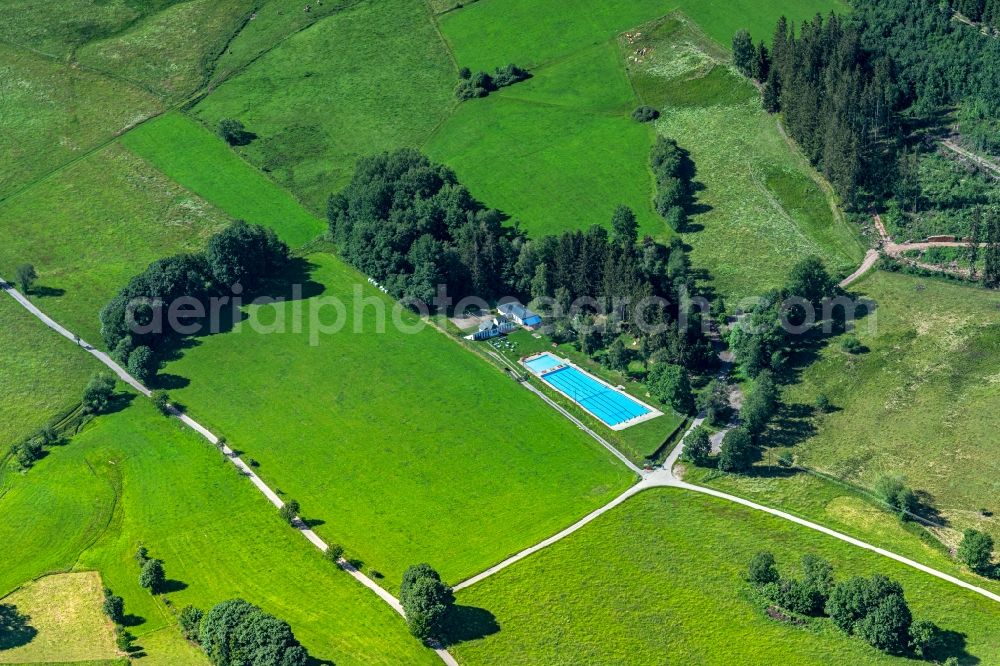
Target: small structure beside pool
[[614, 408], [492, 328], [522, 315]]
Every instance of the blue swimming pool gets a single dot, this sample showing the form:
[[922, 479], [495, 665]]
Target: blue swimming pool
[[609, 405], [543, 362]]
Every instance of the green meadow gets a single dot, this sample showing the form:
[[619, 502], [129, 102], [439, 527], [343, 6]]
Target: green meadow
[[921, 402], [201, 162], [568, 152], [372, 77], [660, 580], [489, 33], [758, 203], [41, 376], [404, 447], [58, 28], [94, 225], [55, 113], [136, 477], [171, 52], [272, 22]]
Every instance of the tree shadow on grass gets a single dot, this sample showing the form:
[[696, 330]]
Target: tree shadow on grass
[[169, 382], [469, 623], [118, 403], [130, 620], [952, 644], [170, 585], [313, 522], [42, 291], [14, 628]]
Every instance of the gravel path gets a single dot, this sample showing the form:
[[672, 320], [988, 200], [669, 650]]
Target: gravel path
[[247, 471]]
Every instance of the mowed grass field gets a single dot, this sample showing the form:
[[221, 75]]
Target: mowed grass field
[[65, 611], [41, 374], [201, 162], [94, 225], [758, 204], [530, 33], [660, 580], [166, 488], [54, 113], [921, 403], [372, 77], [404, 447], [560, 150]]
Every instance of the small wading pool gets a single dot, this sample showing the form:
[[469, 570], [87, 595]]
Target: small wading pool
[[612, 407]]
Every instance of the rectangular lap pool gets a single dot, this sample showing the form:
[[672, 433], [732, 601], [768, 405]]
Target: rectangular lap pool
[[613, 407]]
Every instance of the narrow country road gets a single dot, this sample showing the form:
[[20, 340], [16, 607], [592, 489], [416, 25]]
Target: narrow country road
[[662, 477], [665, 478], [247, 471]]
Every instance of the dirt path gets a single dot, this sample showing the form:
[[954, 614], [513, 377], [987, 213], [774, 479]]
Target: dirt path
[[245, 469], [969, 155]]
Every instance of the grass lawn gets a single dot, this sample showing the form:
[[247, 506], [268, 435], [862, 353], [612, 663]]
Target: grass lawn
[[54, 113], [93, 226], [173, 51], [557, 151], [660, 580], [373, 77], [65, 610], [404, 447], [921, 403], [201, 162], [41, 374], [218, 536], [759, 204]]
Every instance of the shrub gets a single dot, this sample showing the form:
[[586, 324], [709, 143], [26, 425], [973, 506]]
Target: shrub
[[976, 550], [823, 403], [98, 393], [737, 454], [852, 345], [113, 606], [142, 364], [334, 552], [28, 453], [152, 576], [237, 633], [925, 638], [645, 114], [289, 510], [762, 569], [698, 447], [426, 600], [161, 401], [190, 621], [234, 132], [892, 491], [874, 609], [25, 275]]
